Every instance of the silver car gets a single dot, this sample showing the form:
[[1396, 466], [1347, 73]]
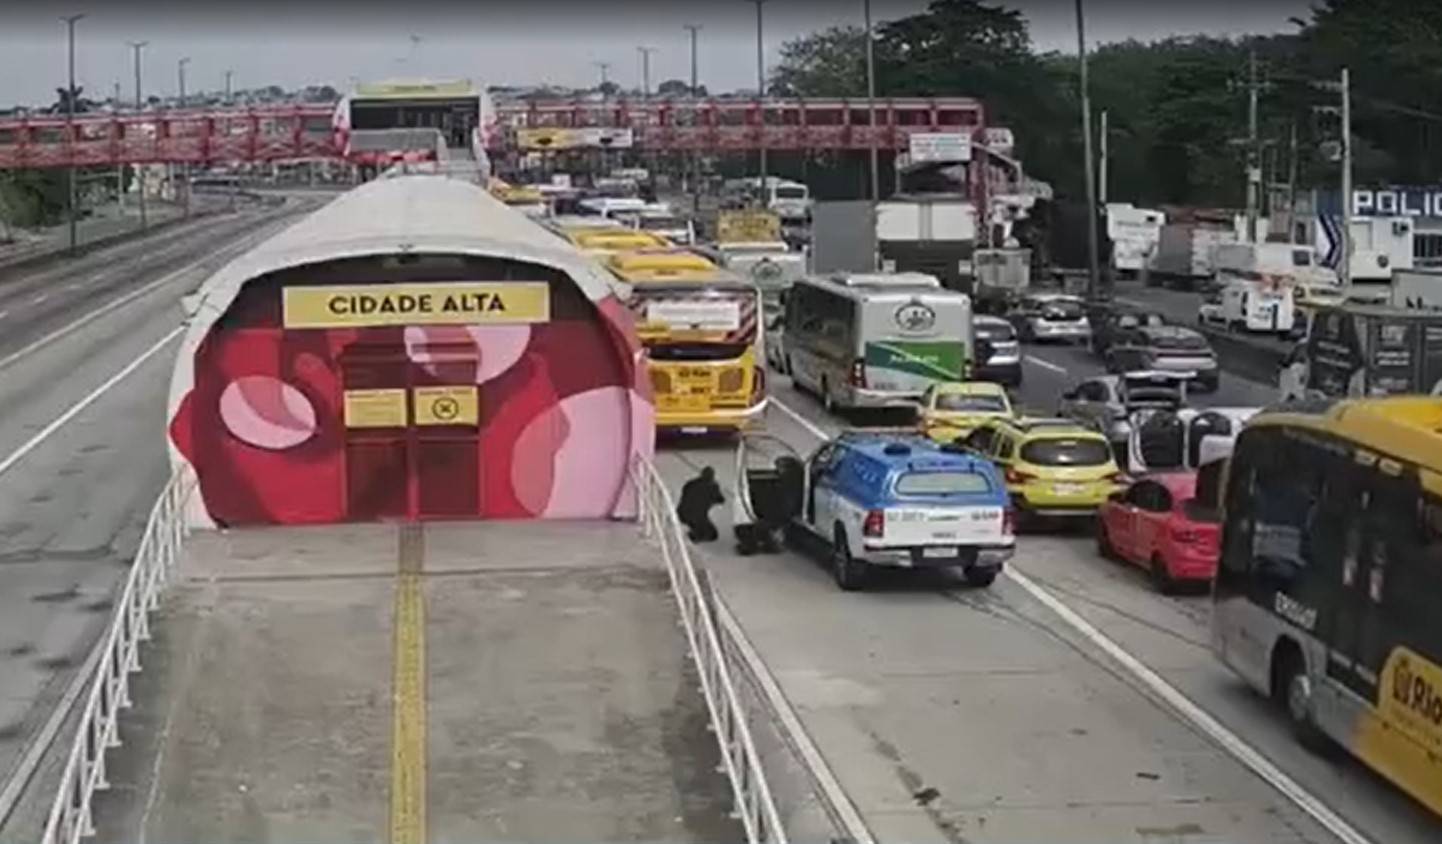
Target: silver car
[[1107, 402], [1052, 317], [1168, 348], [1004, 365]]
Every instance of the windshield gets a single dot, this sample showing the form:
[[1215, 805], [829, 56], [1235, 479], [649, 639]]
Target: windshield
[[1188, 341], [1065, 310], [961, 402], [1067, 452], [941, 483], [662, 223], [994, 331], [788, 192]]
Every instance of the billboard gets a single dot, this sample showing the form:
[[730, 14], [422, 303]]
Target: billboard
[[588, 137], [939, 146]]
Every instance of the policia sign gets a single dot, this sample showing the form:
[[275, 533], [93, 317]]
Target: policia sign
[[441, 303]]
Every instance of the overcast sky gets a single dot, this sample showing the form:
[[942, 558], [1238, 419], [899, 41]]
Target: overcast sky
[[500, 41]]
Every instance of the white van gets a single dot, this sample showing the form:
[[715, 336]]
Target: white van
[[624, 209], [1252, 306], [662, 219], [875, 339], [791, 201]]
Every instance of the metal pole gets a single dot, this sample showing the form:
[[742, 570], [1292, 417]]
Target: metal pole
[[183, 189], [1292, 188], [139, 107], [761, 93], [1105, 162], [871, 121], [646, 70], [229, 75], [1254, 174], [695, 153], [120, 165], [1093, 270], [72, 200], [1345, 275]]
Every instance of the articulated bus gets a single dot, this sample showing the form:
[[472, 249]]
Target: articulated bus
[[701, 326], [1328, 595]]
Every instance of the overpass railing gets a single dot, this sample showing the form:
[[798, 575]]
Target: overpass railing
[[755, 806], [84, 773]]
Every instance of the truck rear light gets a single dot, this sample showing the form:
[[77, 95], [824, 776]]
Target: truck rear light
[[1008, 522], [874, 525], [858, 373], [1015, 477]]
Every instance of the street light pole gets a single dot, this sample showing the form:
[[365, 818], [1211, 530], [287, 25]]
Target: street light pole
[[694, 28], [72, 200], [1093, 269], [646, 70], [871, 124], [1345, 275], [139, 107], [229, 75], [761, 91], [183, 190]]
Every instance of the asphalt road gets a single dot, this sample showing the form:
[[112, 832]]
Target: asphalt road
[[85, 356], [954, 714]]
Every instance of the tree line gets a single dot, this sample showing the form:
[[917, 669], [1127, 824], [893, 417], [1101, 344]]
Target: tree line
[[1177, 108]]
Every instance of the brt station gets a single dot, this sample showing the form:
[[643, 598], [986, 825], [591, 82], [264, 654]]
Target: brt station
[[411, 435]]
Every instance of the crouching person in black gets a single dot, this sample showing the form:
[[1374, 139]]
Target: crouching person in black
[[698, 496]]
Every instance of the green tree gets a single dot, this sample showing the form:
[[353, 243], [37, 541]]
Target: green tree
[[829, 63]]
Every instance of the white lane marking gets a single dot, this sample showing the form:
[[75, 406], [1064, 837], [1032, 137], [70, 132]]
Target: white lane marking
[[1045, 364], [74, 410], [4, 314], [792, 728], [1237, 747], [811, 427], [1194, 714], [113, 304], [38, 299]]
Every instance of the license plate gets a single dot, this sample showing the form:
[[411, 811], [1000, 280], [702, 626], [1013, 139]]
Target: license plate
[[1067, 489], [940, 552], [684, 403]]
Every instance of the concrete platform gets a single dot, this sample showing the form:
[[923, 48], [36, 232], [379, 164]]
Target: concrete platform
[[559, 703]]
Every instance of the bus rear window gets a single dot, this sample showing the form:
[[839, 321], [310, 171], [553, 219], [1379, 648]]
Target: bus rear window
[[941, 483], [1066, 452]]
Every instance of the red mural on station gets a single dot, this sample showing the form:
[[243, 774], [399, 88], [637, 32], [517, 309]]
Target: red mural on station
[[295, 426]]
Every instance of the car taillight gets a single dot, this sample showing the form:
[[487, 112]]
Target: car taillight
[[858, 373], [875, 524], [1015, 477], [1008, 522]]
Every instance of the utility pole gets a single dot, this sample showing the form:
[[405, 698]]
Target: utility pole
[[119, 167], [229, 75], [761, 91], [646, 70], [73, 200], [1105, 162], [1093, 268], [871, 122], [1292, 187], [1254, 170], [137, 46], [605, 69], [182, 191], [1345, 274], [693, 29]]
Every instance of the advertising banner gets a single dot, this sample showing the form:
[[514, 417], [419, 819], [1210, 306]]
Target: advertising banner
[[441, 303]]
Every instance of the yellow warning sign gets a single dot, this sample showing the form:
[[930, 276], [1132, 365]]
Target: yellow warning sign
[[747, 227], [443, 303], [447, 405], [375, 408]]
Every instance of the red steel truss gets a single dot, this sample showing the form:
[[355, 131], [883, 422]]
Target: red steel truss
[[309, 131]]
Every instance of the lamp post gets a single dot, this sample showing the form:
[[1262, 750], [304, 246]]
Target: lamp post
[[761, 92], [1093, 270], [137, 46], [72, 200]]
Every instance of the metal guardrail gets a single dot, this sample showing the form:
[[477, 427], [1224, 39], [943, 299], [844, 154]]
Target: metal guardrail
[[98, 731], [755, 806]]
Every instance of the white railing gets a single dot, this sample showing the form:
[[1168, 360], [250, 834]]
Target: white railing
[[84, 774], [755, 806]]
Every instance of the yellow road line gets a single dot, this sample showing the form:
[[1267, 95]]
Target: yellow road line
[[408, 690]]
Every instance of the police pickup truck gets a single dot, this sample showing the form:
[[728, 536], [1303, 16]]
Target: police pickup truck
[[885, 498]]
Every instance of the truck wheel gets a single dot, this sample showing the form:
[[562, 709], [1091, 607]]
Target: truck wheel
[[849, 574], [980, 578]]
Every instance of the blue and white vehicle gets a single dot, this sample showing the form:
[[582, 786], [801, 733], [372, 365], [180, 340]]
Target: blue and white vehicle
[[881, 498]]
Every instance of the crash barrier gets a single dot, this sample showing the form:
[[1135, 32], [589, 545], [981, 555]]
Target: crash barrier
[[1246, 357], [97, 732]]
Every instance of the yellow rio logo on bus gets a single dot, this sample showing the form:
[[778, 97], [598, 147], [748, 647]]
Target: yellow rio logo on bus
[[1411, 697], [444, 303]]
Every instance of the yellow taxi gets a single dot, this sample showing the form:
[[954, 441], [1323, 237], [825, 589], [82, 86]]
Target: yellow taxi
[[953, 409], [605, 242], [1053, 467], [646, 265]]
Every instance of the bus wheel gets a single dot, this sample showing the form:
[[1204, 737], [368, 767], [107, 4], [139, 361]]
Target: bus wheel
[[1292, 688]]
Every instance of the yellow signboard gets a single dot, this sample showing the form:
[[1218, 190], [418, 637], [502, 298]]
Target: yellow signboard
[[413, 90], [375, 408], [747, 227], [443, 303], [557, 137], [447, 405]]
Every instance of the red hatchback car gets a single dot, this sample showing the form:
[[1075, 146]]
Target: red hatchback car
[[1156, 523]]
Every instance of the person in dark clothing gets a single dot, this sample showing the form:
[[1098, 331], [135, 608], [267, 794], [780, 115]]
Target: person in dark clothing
[[698, 496]]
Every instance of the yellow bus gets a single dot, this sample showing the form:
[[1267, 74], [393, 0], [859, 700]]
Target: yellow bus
[[1328, 595], [609, 241], [701, 328]]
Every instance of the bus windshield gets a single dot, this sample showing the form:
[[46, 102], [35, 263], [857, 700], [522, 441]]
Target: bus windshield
[[696, 324]]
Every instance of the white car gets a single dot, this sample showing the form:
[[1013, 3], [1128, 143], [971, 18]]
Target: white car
[[1051, 316]]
